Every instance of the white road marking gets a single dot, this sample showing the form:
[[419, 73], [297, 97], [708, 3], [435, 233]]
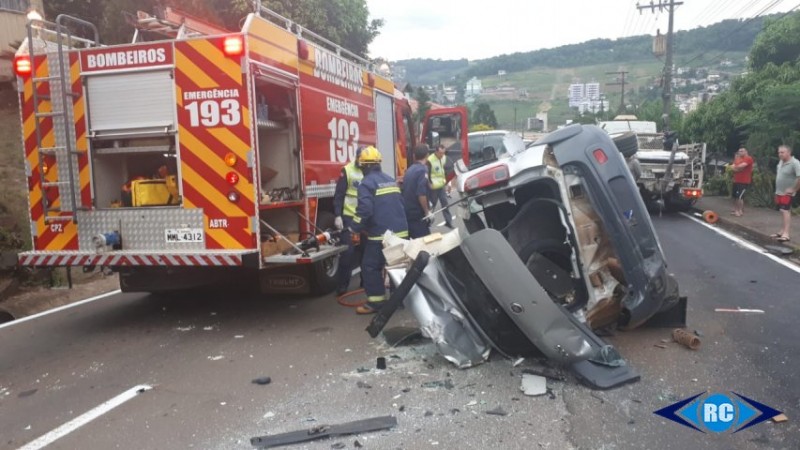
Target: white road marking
[[85, 418], [745, 244], [441, 224], [60, 308]]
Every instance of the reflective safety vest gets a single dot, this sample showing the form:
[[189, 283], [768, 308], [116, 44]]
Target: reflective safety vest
[[354, 177], [438, 178]]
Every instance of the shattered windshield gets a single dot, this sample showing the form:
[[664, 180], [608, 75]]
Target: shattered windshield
[[488, 147]]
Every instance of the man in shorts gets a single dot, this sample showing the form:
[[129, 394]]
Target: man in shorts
[[742, 167], [787, 183]]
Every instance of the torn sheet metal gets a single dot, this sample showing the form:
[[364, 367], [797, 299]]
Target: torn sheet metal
[[441, 320]]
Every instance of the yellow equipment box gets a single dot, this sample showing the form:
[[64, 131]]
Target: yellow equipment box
[[154, 192]]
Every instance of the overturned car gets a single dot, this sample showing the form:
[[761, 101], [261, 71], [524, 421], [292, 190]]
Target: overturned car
[[559, 244]]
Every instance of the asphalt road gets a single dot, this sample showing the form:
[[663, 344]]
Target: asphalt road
[[200, 354]]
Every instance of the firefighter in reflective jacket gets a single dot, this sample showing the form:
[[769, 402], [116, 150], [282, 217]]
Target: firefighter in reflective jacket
[[380, 208], [345, 200]]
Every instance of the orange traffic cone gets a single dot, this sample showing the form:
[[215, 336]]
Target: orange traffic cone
[[710, 216]]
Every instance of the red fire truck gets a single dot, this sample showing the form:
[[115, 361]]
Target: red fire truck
[[202, 156]]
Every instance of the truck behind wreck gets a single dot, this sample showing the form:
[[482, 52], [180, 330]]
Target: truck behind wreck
[[559, 244]]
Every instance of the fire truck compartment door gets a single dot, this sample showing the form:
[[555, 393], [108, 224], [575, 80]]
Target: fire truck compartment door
[[384, 114], [131, 102]]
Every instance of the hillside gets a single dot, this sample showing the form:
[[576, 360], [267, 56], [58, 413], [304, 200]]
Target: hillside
[[723, 37]]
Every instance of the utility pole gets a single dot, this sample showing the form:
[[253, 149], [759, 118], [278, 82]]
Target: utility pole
[[666, 96], [621, 83]]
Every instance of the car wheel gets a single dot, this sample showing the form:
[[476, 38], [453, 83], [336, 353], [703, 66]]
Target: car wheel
[[675, 203], [627, 144]]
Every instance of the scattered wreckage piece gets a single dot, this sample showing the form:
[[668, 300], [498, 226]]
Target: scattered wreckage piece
[[685, 338], [533, 385], [324, 431]]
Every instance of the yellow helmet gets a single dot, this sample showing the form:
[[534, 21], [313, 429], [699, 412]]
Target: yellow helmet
[[369, 155]]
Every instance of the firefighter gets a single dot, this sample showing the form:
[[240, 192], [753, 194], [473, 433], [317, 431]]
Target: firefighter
[[345, 200], [415, 194], [380, 208]]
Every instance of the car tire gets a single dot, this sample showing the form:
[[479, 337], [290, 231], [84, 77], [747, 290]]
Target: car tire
[[674, 203], [627, 144]]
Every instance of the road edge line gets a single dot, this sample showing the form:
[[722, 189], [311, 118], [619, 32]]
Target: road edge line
[[60, 308], [744, 243], [85, 418]]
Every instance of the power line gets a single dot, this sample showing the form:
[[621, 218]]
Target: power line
[[736, 30], [722, 54], [621, 76]]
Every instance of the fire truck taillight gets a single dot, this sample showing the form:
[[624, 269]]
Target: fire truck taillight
[[230, 159], [232, 178], [233, 46], [22, 65], [233, 196]]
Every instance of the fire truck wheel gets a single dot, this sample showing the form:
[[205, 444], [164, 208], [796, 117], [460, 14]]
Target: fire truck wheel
[[323, 275]]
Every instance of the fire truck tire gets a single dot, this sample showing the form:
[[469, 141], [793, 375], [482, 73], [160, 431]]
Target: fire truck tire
[[323, 275], [627, 144]]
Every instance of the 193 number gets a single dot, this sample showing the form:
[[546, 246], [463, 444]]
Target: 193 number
[[210, 113], [344, 139]]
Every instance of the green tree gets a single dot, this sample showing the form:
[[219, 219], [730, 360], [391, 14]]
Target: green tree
[[484, 114], [345, 22], [653, 111], [778, 43], [423, 104]]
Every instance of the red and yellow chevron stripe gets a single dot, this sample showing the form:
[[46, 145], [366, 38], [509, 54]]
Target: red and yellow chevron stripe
[[84, 197], [50, 235], [208, 82]]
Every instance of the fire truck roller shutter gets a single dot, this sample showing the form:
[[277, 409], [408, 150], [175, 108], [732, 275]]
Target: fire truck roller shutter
[[384, 120], [140, 101]]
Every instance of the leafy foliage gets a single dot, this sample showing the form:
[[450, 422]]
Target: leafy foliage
[[483, 114], [423, 104], [345, 22], [780, 45], [762, 108]]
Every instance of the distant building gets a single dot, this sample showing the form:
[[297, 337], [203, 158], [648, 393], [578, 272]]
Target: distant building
[[473, 88], [576, 93], [592, 91], [586, 97], [501, 73]]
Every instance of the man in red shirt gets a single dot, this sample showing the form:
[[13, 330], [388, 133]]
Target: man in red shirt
[[742, 177]]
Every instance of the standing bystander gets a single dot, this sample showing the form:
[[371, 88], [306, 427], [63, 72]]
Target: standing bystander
[[742, 168], [787, 183]]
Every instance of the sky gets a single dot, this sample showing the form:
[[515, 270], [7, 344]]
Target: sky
[[454, 29]]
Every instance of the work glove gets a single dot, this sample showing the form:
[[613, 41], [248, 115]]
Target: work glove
[[428, 219], [338, 223]]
